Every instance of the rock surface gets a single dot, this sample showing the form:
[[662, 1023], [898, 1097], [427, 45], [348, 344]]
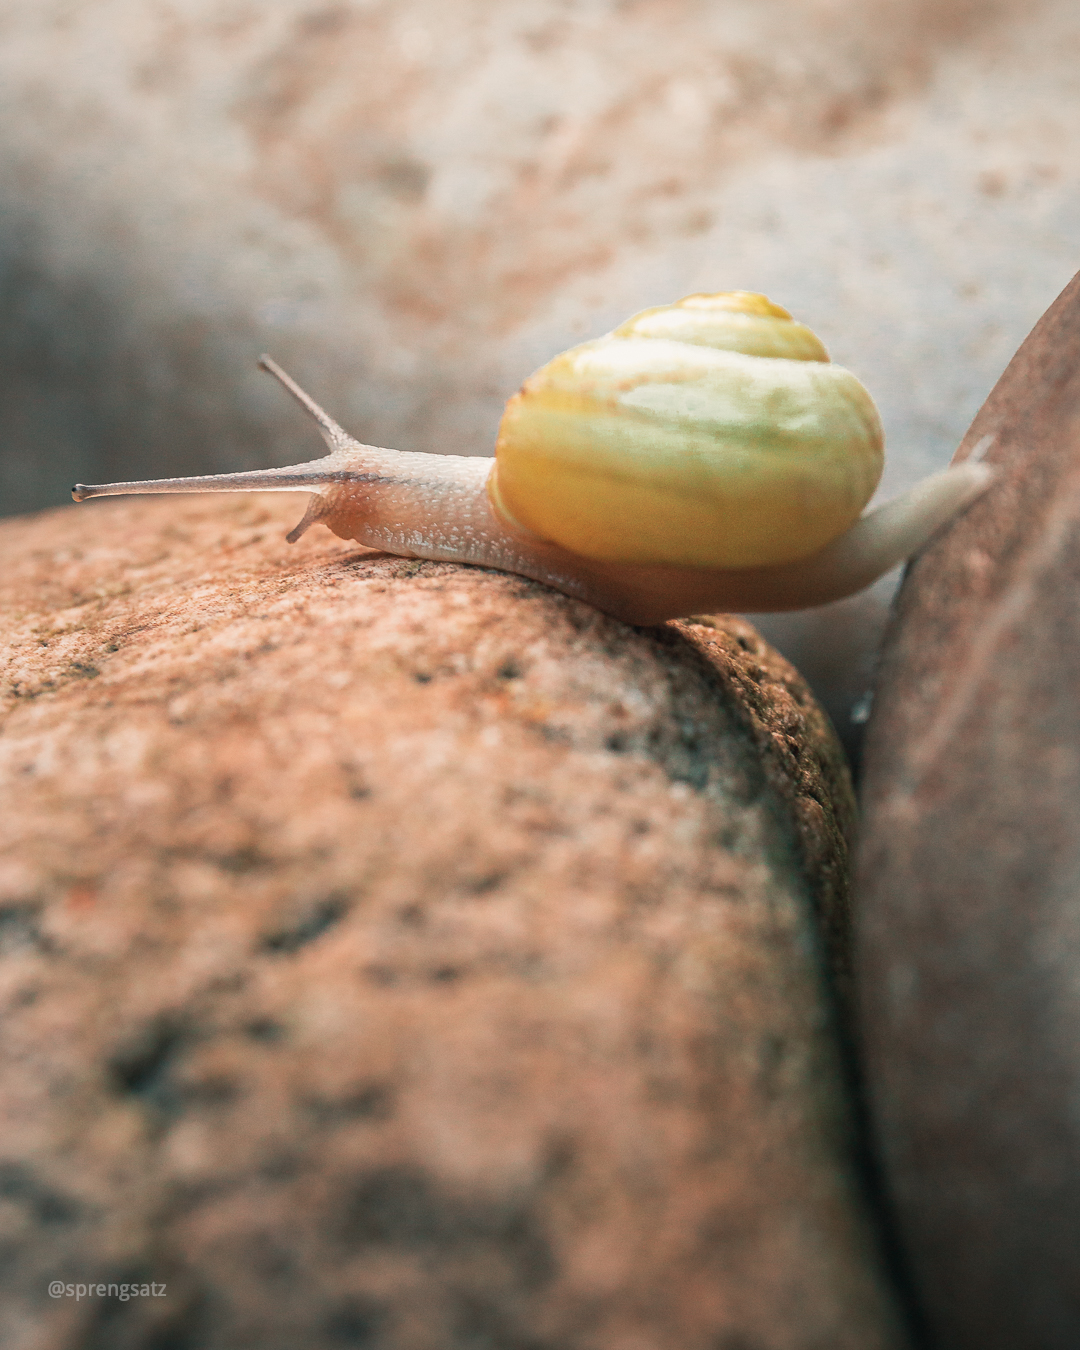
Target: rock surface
[[969, 878], [402, 955], [412, 205]]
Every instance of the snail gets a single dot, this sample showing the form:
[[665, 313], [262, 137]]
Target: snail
[[706, 455]]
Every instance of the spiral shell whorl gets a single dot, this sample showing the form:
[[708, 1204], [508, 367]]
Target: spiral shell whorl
[[734, 321], [712, 433]]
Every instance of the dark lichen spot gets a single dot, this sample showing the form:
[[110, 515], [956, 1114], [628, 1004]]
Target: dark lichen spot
[[173, 1320], [772, 1052], [143, 1067], [356, 785], [737, 1340], [480, 1324], [281, 1166], [731, 836], [319, 919], [509, 670], [723, 1231], [396, 1207], [48, 1206], [555, 735], [265, 1030], [372, 1102], [693, 775], [358, 1323], [380, 975], [580, 617], [559, 1158], [214, 1090], [406, 179], [487, 882], [20, 928], [241, 860]]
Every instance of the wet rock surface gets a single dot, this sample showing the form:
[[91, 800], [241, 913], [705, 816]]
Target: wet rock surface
[[969, 877], [401, 955]]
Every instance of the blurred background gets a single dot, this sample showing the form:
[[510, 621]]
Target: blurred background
[[414, 203]]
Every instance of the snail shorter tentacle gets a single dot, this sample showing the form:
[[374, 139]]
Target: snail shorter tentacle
[[642, 475]]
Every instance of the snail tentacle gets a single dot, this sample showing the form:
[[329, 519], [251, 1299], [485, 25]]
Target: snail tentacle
[[289, 478]]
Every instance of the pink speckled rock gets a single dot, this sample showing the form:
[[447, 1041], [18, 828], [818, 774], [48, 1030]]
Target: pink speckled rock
[[400, 955]]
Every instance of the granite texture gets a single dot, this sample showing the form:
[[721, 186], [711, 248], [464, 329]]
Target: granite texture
[[402, 955]]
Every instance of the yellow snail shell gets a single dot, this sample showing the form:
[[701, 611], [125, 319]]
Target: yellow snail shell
[[714, 432], [704, 456]]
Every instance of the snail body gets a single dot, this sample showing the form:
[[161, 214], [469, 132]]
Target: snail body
[[704, 455]]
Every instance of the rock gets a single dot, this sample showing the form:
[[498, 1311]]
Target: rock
[[412, 205], [969, 875], [403, 955]]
